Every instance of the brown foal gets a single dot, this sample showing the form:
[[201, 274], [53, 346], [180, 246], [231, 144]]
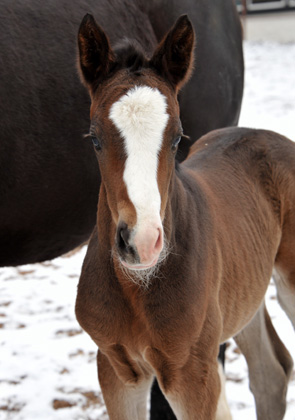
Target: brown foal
[[181, 256]]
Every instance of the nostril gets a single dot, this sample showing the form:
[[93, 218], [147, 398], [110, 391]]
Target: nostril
[[123, 239], [122, 235]]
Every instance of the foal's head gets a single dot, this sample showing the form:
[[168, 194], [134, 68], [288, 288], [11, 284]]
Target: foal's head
[[135, 129]]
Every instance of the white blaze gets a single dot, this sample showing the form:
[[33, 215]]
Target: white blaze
[[141, 118]]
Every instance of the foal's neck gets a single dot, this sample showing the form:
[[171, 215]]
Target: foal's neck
[[186, 201]]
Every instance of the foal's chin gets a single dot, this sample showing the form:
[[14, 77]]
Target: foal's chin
[[142, 277], [140, 267]]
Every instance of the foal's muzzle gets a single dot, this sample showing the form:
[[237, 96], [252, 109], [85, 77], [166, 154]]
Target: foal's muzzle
[[139, 249]]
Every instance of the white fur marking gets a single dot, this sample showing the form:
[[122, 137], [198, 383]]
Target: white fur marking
[[141, 118]]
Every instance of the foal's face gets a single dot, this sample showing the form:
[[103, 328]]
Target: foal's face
[[135, 129]]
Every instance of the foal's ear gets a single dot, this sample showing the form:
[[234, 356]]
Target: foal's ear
[[96, 57], [174, 56]]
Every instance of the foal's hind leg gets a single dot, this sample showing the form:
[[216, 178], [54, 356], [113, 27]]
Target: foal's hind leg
[[124, 401], [286, 294], [269, 364], [284, 273]]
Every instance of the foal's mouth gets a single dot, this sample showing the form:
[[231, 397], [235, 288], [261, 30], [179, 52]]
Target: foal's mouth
[[137, 266], [140, 274], [131, 260]]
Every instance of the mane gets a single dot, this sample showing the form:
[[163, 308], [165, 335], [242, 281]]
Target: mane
[[130, 54]]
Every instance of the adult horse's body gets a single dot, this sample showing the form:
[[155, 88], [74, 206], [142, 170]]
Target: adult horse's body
[[181, 256], [49, 180]]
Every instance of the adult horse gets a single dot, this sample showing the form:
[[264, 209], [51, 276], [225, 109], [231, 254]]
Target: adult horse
[[49, 180], [182, 255]]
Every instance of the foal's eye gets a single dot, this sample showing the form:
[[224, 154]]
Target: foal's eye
[[96, 142], [175, 144]]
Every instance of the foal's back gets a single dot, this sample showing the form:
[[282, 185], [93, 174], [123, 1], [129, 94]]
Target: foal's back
[[240, 159]]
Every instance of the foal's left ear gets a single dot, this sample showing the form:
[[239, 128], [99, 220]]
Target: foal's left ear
[[96, 57], [174, 56]]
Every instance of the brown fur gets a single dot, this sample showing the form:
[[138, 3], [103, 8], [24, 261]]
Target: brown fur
[[225, 212]]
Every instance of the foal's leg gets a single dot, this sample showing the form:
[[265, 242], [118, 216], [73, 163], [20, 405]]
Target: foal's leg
[[223, 411], [269, 364], [284, 272], [124, 401], [194, 395], [286, 293], [160, 409], [192, 389]]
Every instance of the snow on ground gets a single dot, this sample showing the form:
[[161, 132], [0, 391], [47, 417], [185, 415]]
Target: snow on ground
[[47, 364], [269, 95]]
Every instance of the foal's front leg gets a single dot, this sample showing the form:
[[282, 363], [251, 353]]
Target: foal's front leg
[[196, 392], [160, 409], [192, 389], [124, 399]]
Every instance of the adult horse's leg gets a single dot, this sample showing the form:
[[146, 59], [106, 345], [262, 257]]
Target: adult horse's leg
[[269, 364], [160, 408], [124, 400], [221, 355]]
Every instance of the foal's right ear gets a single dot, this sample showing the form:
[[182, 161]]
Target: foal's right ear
[[96, 57]]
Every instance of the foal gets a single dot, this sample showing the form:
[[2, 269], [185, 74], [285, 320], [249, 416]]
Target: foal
[[181, 255]]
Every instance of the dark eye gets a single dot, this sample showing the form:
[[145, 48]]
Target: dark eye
[[96, 142], [175, 144]]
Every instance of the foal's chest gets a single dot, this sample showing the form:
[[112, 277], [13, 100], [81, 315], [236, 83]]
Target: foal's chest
[[150, 320]]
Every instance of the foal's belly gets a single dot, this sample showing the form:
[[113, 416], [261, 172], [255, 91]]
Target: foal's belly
[[241, 304]]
